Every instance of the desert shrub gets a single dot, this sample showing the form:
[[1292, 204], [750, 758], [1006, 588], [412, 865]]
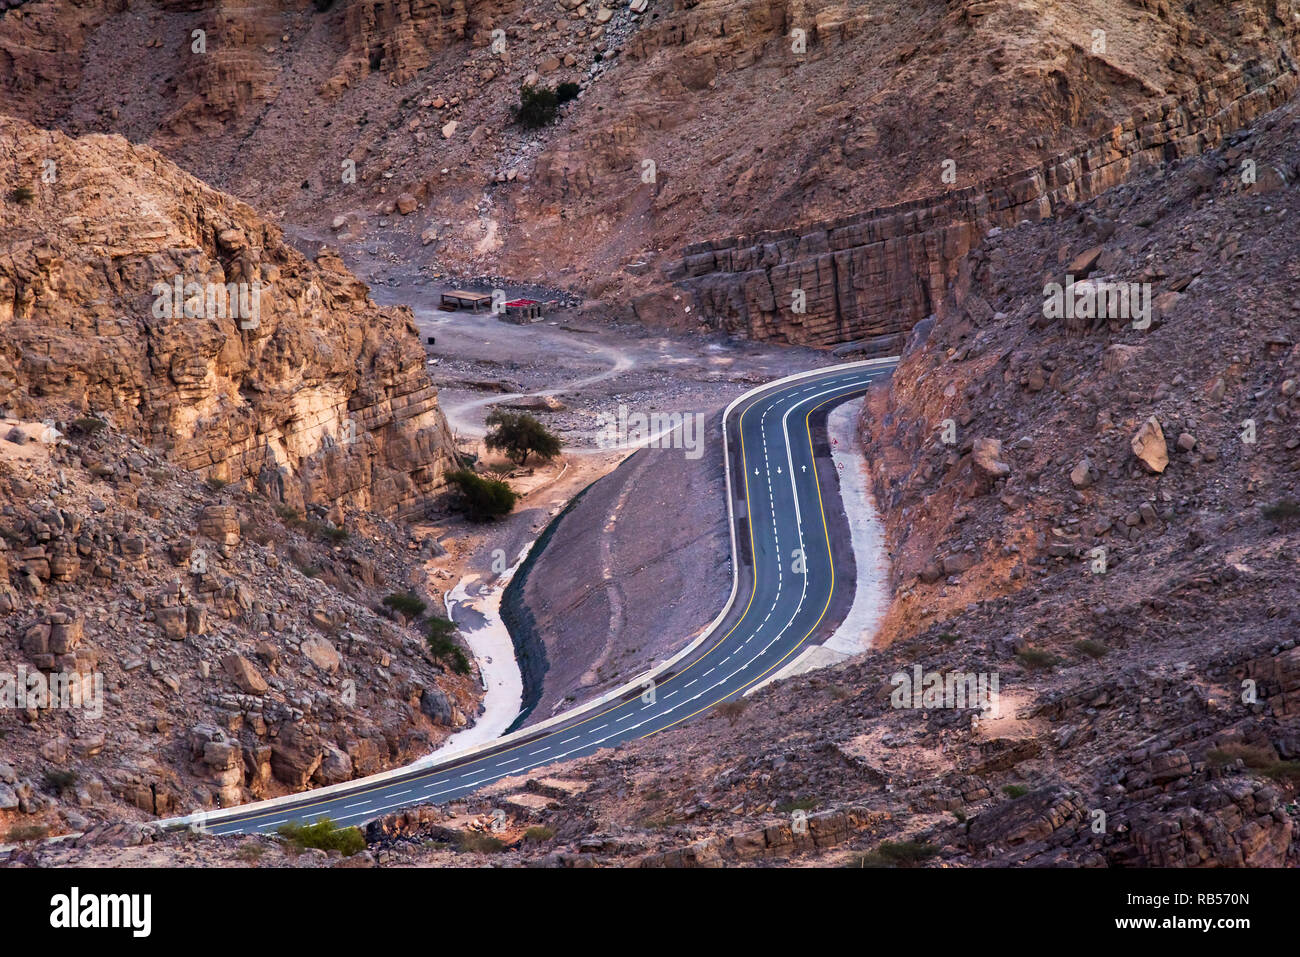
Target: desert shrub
[[731, 710], [539, 834], [1256, 758], [1036, 658], [1090, 648], [797, 804], [310, 569], [537, 106], [1282, 511], [566, 92], [476, 842], [1014, 790], [323, 835], [60, 780], [895, 854], [443, 646], [407, 603], [87, 425], [292, 518], [27, 832], [23, 194], [324, 531], [482, 499], [1250, 755], [1286, 771], [330, 533]]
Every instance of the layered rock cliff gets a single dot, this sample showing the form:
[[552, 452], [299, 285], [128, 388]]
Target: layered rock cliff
[[320, 396], [203, 438], [874, 275], [755, 115]]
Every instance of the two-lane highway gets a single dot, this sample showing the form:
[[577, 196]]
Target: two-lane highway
[[785, 561]]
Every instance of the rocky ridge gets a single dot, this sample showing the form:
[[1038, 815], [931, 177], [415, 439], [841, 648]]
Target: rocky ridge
[[756, 114], [197, 501], [874, 275], [321, 396]]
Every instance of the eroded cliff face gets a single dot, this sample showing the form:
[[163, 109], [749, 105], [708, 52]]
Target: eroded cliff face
[[204, 441], [756, 114], [222, 648], [872, 276], [1017, 437], [319, 397], [202, 84], [398, 37], [883, 150]]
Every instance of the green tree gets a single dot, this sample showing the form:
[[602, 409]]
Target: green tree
[[518, 434], [482, 499]]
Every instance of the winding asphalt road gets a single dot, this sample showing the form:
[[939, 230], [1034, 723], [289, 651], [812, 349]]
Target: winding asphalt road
[[787, 572]]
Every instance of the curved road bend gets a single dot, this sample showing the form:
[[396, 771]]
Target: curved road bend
[[782, 510]]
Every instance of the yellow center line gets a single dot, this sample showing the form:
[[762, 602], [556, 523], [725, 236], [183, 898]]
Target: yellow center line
[[829, 594]]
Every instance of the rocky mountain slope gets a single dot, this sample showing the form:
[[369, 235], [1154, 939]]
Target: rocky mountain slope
[[1148, 703], [1102, 534], [871, 276], [1098, 508], [695, 119], [320, 396], [194, 503]]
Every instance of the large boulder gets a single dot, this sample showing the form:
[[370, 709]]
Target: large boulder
[[987, 456], [1149, 446], [436, 706], [295, 757], [220, 523], [1081, 476], [322, 653], [245, 674], [335, 766], [1032, 817]]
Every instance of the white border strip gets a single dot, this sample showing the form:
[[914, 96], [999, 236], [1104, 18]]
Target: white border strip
[[208, 818]]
